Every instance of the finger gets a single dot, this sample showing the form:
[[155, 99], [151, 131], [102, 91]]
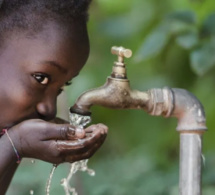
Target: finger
[[62, 132], [81, 145], [91, 128], [87, 154], [66, 150], [80, 132]]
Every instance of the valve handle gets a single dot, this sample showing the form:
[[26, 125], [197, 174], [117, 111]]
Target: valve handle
[[121, 52], [119, 70]]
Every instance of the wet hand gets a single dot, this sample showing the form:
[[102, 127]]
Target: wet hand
[[56, 143]]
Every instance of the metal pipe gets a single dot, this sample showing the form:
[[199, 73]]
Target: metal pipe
[[189, 111], [115, 94], [190, 163], [179, 103], [191, 126]]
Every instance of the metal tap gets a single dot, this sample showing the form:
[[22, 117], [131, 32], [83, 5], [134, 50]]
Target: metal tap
[[116, 92], [168, 102]]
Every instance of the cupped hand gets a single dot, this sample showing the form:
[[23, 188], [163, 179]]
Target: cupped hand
[[56, 143]]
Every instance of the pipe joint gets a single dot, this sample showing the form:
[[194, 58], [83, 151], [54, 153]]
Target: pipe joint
[[178, 103], [161, 102], [189, 111]]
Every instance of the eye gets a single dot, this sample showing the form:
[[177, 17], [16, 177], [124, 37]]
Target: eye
[[41, 78], [60, 91], [68, 83]]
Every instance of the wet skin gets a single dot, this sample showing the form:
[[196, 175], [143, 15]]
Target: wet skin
[[33, 71]]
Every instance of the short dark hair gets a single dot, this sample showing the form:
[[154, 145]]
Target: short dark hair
[[30, 15]]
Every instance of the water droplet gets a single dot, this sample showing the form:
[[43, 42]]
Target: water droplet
[[199, 112], [91, 172]]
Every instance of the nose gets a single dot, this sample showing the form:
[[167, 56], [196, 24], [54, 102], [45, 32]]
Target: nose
[[47, 108]]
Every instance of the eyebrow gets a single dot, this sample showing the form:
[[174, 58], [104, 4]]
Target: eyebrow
[[56, 64]]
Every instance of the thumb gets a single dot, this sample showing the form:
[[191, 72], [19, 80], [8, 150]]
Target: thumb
[[63, 132]]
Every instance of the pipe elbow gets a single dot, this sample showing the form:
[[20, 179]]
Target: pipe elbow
[[189, 111], [178, 103]]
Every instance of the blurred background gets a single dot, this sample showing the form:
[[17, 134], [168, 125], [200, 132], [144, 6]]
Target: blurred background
[[173, 43]]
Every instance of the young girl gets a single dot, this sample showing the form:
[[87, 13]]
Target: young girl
[[43, 45]]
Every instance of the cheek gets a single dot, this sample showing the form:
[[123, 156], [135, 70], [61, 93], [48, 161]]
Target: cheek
[[15, 105], [19, 96]]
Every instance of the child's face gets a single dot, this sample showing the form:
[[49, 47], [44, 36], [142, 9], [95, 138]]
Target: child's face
[[33, 71]]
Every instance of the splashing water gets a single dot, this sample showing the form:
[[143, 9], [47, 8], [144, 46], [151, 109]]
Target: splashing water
[[78, 121], [76, 166], [48, 185]]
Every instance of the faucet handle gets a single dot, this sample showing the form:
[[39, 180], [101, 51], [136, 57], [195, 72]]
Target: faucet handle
[[119, 70], [121, 52]]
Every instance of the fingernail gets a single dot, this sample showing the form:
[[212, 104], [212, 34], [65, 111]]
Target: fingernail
[[71, 131], [79, 132]]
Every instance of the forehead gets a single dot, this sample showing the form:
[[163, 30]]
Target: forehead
[[66, 46]]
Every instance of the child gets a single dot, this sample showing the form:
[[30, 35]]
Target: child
[[44, 44]]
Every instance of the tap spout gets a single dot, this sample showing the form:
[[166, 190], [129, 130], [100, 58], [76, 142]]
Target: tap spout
[[115, 93]]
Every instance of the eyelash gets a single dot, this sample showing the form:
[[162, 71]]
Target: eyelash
[[68, 83]]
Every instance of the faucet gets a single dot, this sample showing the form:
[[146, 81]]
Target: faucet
[[116, 92], [168, 102]]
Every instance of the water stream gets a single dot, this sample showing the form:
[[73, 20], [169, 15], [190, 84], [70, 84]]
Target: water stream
[[78, 121]]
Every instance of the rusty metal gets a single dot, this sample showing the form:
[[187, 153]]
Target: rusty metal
[[188, 110], [178, 103], [168, 102], [115, 93]]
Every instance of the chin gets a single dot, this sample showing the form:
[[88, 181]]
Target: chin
[[9, 125], [19, 120]]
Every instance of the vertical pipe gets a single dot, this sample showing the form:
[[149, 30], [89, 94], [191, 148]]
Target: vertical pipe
[[190, 163]]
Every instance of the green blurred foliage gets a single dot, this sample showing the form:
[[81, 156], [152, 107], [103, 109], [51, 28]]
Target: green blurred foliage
[[174, 45]]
